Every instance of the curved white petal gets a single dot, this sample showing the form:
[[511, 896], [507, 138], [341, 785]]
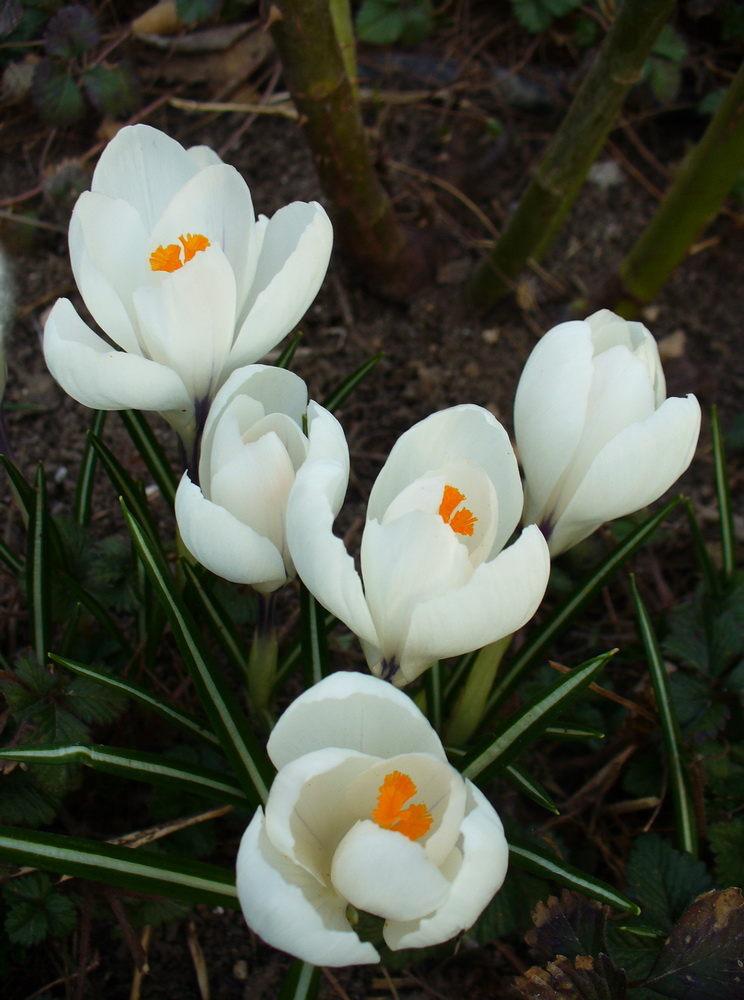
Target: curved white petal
[[327, 441], [108, 252], [308, 814], [383, 872], [485, 858], [215, 203], [96, 375], [319, 556], [550, 409], [356, 712], [203, 156], [631, 471], [291, 266], [143, 166], [187, 321], [290, 910], [499, 598], [465, 433], [224, 544]]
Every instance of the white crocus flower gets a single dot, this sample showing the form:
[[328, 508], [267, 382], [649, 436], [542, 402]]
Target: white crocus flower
[[597, 437], [436, 582], [181, 277], [233, 521], [365, 813]]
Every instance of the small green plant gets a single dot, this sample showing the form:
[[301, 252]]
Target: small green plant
[[385, 22]]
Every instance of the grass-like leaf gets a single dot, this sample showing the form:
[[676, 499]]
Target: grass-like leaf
[[240, 746], [94, 607], [151, 452], [23, 492], [313, 638], [433, 688], [300, 982], [561, 618], [38, 570], [517, 732], [142, 697], [220, 623], [530, 787], [132, 492], [86, 476], [344, 389], [723, 492], [701, 552], [134, 870], [524, 854], [285, 358], [678, 782], [154, 769], [11, 560]]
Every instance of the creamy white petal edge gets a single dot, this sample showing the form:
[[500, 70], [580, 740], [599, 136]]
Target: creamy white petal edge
[[290, 909], [360, 715], [99, 376]]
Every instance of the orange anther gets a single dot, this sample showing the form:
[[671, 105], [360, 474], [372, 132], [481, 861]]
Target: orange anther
[[462, 521], [192, 244], [395, 791], [169, 258]]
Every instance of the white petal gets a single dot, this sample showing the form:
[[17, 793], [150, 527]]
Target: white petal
[[327, 441], [632, 470], [485, 858], [96, 375], [383, 872], [356, 712], [308, 812], [144, 167], [188, 320], [290, 910], [319, 556], [108, 252], [499, 598], [203, 156], [291, 267], [215, 203], [224, 544], [550, 409], [465, 433]]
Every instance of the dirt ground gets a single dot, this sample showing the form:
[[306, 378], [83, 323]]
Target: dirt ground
[[437, 352]]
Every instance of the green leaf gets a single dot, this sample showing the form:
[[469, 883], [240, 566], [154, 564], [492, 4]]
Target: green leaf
[[191, 11], [723, 491], [569, 926], [526, 784], [702, 958], [134, 870], [86, 476], [25, 802], [510, 908], [300, 982], [313, 637], [35, 910], [539, 861], [71, 33], [684, 810], [537, 15], [541, 639], [700, 717], [155, 769], [344, 389], [132, 493], [211, 610], [285, 358], [56, 94], [517, 732], [151, 452], [111, 89], [23, 491], [727, 843], [663, 880], [687, 640], [380, 22], [12, 561], [38, 570], [249, 762]]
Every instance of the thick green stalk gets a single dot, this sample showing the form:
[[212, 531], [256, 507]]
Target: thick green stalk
[[698, 190], [566, 162], [364, 221], [471, 703], [344, 26]]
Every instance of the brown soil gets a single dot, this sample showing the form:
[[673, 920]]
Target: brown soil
[[436, 353]]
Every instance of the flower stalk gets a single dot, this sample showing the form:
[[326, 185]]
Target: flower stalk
[[469, 708], [263, 656]]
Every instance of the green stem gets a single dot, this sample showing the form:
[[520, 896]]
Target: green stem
[[699, 189], [470, 706], [262, 661], [344, 26], [566, 162]]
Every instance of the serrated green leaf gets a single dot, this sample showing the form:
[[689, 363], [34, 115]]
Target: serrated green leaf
[[35, 910], [380, 22], [570, 925], [727, 843], [587, 977], [700, 716], [537, 15], [24, 803], [663, 880], [111, 89], [510, 908], [71, 33], [135, 870], [702, 958], [56, 94], [517, 732], [687, 638]]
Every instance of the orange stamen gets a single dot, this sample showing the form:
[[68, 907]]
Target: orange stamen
[[169, 258], [395, 791], [461, 522]]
